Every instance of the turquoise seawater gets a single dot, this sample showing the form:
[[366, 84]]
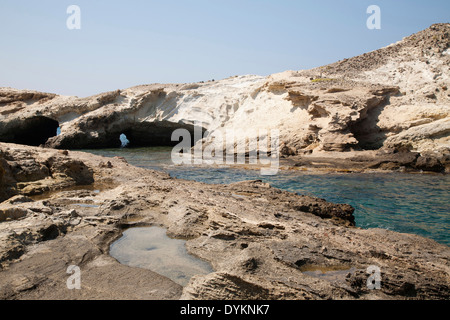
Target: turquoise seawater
[[409, 203]]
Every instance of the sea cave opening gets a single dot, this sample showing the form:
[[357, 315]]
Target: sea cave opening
[[153, 134], [33, 131]]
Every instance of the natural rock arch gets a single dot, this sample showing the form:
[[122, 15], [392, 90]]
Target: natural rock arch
[[107, 135]]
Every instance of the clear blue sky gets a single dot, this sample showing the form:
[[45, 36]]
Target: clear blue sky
[[126, 43]]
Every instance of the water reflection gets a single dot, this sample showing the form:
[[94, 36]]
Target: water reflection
[[150, 248]]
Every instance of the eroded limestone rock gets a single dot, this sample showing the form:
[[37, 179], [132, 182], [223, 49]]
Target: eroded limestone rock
[[393, 97], [263, 243]]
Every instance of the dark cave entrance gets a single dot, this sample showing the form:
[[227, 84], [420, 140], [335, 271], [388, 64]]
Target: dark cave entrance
[[366, 130], [31, 131], [39, 130], [368, 138], [153, 134]]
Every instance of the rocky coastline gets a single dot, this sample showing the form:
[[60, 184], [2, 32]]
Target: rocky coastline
[[65, 208], [387, 110]]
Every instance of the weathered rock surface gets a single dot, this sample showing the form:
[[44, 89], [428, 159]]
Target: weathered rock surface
[[24, 173], [263, 243], [394, 97]]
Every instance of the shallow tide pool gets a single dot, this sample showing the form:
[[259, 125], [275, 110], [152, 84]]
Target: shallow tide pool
[[150, 248]]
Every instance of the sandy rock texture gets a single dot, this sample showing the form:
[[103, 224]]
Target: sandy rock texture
[[263, 243], [396, 97]]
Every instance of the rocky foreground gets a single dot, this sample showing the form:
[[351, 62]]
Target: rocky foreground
[[65, 208], [370, 110]]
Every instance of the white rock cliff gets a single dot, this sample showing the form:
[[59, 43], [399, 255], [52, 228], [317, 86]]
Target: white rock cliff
[[396, 96]]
